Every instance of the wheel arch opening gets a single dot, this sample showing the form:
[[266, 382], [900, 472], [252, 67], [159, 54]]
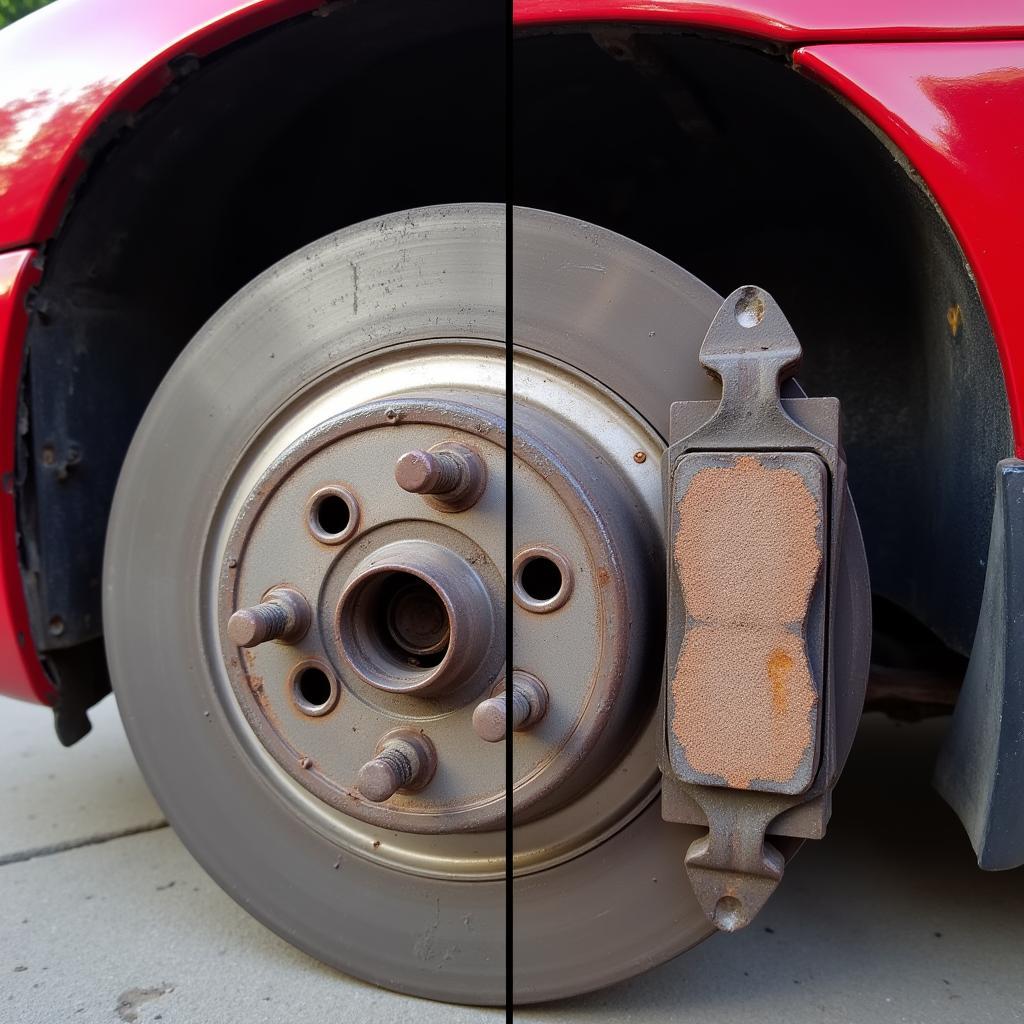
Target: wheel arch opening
[[251, 153], [718, 154]]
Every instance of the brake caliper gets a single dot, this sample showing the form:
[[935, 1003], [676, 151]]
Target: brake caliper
[[755, 490]]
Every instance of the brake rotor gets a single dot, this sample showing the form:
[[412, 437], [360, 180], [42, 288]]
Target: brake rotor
[[607, 336]]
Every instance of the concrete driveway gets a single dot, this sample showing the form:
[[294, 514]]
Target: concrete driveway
[[104, 917]]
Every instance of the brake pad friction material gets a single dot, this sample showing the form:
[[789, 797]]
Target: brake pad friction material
[[744, 698]]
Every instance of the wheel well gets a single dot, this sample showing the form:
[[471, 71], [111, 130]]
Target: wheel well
[[719, 155], [253, 152], [715, 153]]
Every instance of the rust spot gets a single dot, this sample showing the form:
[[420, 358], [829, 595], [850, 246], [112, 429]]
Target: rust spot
[[780, 665], [747, 555], [603, 577], [727, 715], [640, 457], [954, 317]]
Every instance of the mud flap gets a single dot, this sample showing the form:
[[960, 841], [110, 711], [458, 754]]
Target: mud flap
[[980, 770]]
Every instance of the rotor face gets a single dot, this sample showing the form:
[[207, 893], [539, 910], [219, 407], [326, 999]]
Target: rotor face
[[606, 336]]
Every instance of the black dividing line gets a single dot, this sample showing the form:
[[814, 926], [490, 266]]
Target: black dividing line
[[509, 510]]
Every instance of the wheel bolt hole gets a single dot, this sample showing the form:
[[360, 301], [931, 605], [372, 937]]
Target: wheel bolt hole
[[314, 690], [333, 515], [541, 579]]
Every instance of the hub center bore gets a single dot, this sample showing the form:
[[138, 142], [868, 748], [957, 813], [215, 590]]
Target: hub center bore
[[415, 620]]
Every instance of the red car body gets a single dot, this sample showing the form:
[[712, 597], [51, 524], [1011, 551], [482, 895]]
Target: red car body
[[943, 80]]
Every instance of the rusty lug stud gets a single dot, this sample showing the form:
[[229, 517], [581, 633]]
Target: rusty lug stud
[[283, 614], [404, 760], [429, 472], [529, 706], [450, 476]]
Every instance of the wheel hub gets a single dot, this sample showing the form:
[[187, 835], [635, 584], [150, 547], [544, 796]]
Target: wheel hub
[[407, 611]]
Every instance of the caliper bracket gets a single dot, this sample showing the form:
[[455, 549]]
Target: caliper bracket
[[755, 487]]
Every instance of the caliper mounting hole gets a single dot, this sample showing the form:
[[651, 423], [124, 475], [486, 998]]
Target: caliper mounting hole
[[750, 307]]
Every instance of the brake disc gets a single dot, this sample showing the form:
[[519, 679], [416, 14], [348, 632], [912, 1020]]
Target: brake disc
[[608, 335]]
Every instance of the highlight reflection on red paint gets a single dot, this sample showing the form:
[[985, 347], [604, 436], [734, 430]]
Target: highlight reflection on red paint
[[954, 109]]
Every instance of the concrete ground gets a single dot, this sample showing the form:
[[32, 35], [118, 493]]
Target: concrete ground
[[104, 917]]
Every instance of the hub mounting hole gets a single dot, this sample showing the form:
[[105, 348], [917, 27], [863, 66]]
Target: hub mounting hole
[[333, 515], [541, 579], [314, 690]]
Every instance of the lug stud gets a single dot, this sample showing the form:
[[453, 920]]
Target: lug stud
[[429, 472], [529, 705], [450, 476], [404, 760], [282, 615]]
